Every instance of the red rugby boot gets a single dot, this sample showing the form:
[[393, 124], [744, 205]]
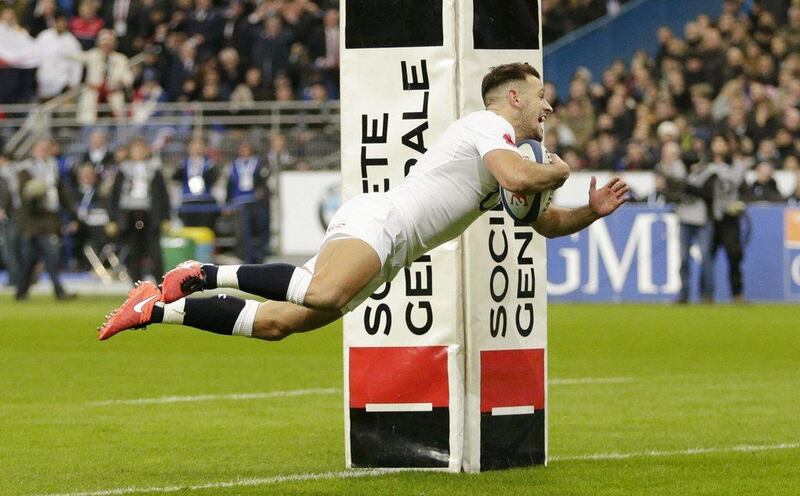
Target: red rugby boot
[[135, 313], [183, 280]]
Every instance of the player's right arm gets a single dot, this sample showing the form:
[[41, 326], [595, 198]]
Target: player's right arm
[[520, 175]]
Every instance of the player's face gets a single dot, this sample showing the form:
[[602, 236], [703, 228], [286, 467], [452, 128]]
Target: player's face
[[534, 108]]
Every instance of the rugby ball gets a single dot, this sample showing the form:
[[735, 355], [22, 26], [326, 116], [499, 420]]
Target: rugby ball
[[527, 208]]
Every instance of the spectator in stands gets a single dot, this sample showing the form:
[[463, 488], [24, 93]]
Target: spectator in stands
[[692, 193], [271, 48], [39, 15], [139, 210], [10, 203], [197, 174], [248, 196], [58, 70], [278, 157], [764, 188], [18, 83], [43, 196], [180, 68], [204, 25], [237, 31], [107, 77], [86, 26], [127, 18], [636, 158], [794, 198], [146, 98]]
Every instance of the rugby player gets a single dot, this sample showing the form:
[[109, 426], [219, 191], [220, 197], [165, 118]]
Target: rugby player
[[374, 235]]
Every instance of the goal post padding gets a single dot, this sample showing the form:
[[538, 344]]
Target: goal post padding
[[444, 367], [403, 348], [505, 282]]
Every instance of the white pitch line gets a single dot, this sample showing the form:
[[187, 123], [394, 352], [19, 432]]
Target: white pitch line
[[744, 448], [352, 474], [215, 397], [263, 481], [590, 380]]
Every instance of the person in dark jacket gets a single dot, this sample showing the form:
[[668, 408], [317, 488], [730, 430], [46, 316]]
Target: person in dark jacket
[[44, 195], [249, 197], [139, 210], [197, 175], [764, 188]]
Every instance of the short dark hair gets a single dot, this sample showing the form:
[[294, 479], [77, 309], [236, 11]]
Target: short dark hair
[[501, 74]]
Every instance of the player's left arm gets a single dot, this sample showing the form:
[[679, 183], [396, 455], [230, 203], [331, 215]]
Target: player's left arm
[[556, 221]]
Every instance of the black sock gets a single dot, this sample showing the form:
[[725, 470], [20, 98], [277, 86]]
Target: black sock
[[217, 314], [158, 314], [270, 281], [210, 271]]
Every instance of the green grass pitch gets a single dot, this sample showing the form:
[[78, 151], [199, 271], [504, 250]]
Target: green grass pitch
[[710, 378]]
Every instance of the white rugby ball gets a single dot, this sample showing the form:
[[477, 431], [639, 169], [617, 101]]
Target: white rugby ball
[[527, 208]]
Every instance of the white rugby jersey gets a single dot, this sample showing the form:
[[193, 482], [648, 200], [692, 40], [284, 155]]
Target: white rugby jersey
[[450, 186]]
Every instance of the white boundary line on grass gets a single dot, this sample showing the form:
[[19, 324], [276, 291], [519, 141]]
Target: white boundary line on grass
[[215, 397], [744, 448], [304, 392], [263, 481], [352, 474]]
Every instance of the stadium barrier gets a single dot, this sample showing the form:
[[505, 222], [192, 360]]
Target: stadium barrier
[[445, 365]]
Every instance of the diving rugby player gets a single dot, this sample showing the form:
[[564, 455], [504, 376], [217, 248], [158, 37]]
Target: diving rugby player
[[374, 235]]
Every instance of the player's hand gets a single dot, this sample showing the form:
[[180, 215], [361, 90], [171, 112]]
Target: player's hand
[[605, 200], [112, 229]]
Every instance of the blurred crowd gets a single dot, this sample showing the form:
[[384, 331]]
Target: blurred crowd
[[118, 202], [190, 50], [715, 102], [736, 76]]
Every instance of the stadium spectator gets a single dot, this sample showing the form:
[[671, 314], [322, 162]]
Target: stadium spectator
[[10, 203], [794, 198], [39, 15], [181, 65], [127, 18], [764, 188], [86, 26], [139, 210], [107, 78], [58, 70], [205, 25], [197, 175], [43, 196], [271, 48], [248, 197]]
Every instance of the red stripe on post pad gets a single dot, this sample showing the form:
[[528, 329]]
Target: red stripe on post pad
[[512, 378], [395, 375]]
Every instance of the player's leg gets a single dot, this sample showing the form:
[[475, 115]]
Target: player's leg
[[221, 314], [343, 268]]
